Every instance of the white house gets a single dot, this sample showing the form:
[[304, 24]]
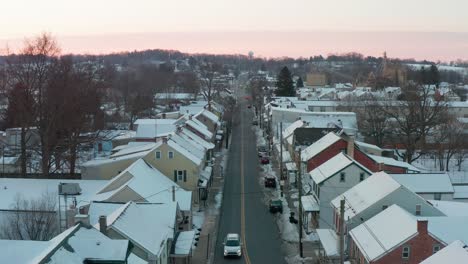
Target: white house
[[430, 186]]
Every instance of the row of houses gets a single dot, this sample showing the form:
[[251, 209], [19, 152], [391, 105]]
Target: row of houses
[[394, 212], [134, 203]]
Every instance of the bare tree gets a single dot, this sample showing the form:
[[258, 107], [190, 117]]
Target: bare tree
[[34, 219], [448, 140], [208, 72], [413, 118]]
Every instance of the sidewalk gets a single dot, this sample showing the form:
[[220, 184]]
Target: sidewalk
[[204, 252]]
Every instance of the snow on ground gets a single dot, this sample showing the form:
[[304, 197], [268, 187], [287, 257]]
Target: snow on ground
[[198, 217], [288, 231], [218, 199], [296, 259]]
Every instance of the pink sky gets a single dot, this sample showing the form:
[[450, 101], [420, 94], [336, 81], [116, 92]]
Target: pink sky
[[431, 29]]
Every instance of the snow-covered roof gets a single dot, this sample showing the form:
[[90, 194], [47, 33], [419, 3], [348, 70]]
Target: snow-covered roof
[[455, 252], [425, 182], [290, 129], [147, 225], [368, 146], [135, 149], [309, 204], [182, 150], [148, 182], [448, 228], [319, 146], [393, 162], [9, 160], [214, 118], [200, 127], [329, 241], [383, 232], [461, 192], [89, 244], [184, 242], [451, 208], [34, 189], [152, 128], [366, 193], [333, 166], [102, 161], [21, 251], [189, 145], [186, 133], [177, 96]]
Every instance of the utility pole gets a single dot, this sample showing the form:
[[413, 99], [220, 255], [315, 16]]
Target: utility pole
[[300, 205], [342, 231], [281, 157]]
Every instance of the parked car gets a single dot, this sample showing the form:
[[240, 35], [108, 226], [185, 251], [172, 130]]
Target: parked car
[[232, 245], [264, 160], [276, 206], [262, 151], [270, 182]]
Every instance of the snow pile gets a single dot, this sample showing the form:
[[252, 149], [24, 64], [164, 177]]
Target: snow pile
[[296, 259], [289, 232]]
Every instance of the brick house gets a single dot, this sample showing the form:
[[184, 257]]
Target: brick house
[[332, 144], [393, 236]]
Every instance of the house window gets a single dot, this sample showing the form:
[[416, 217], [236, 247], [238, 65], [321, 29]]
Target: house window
[[180, 175], [342, 177], [99, 146], [170, 154], [158, 154], [435, 248], [384, 207], [361, 177], [406, 252], [437, 196], [322, 109], [418, 209]]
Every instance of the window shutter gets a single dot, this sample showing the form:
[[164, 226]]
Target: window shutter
[[185, 175], [175, 175]]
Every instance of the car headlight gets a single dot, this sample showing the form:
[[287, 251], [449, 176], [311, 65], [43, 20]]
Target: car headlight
[[225, 252], [238, 252]]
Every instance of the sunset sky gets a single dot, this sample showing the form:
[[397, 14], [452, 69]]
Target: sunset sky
[[430, 29]]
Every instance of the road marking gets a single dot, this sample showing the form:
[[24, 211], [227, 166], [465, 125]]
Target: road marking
[[244, 242]]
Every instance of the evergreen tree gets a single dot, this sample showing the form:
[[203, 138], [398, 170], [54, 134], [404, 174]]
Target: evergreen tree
[[434, 77], [285, 83], [299, 83]]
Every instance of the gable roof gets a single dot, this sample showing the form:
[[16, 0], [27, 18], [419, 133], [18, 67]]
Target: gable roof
[[451, 208], [332, 167], [456, 252], [189, 135], [189, 145], [290, 129], [132, 220], [130, 149], [384, 232], [212, 117], [152, 128], [366, 193], [393, 162], [425, 182], [182, 150], [149, 183], [319, 146], [200, 127]]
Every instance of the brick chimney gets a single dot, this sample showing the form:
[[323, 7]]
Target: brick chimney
[[350, 147], [381, 166], [422, 226], [103, 224]]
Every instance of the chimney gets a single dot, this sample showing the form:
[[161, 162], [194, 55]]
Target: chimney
[[82, 210], [163, 115], [103, 224], [173, 193], [381, 166], [82, 218], [350, 147], [179, 129], [164, 139], [422, 226], [190, 117]]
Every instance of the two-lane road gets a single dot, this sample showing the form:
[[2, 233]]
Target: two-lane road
[[243, 211]]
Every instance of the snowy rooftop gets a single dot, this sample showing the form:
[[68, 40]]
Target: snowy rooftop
[[34, 189], [189, 135], [183, 150], [290, 129], [451, 208], [455, 252], [333, 166], [393, 162], [184, 242], [382, 232], [461, 192], [425, 183], [319, 146], [201, 128], [368, 146], [101, 161], [130, 149], [189, 145], [147, 182], [366, 193], [329, 241], [178, 96], [309, 204], [214, 118], [132, 221]]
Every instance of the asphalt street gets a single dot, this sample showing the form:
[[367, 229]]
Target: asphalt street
[[243, 210]]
